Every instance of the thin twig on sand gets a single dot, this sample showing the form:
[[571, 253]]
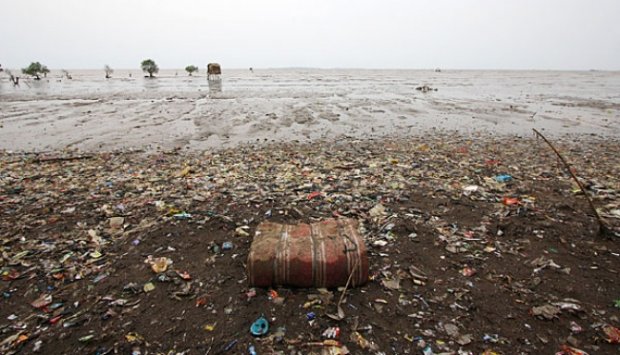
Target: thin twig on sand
[[56, 159], [346, 286], [603, 229]]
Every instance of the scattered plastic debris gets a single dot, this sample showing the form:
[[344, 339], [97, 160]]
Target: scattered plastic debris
[[87, 248]]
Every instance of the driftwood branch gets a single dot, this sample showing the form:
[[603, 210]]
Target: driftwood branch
[[56, 159], [601, 224]]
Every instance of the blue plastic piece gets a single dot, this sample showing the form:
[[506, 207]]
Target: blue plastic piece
[[503, 178], [260, 326]]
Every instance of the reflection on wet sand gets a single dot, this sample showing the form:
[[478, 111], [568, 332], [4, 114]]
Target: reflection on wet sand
[[215, 86], [151, 84]]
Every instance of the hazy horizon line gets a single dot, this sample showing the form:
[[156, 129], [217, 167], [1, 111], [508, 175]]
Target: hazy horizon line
[[340, 68]]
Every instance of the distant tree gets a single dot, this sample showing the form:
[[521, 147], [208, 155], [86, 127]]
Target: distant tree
[[35, 69], [108, 71], [67, 74], [149, 66], [190, 69], [45, 71]]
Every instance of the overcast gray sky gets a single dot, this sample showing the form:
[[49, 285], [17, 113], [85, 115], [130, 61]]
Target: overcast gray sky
[[467, 34]]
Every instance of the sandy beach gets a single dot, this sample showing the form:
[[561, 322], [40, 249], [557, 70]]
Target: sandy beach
[[177, 111], [478, 240]]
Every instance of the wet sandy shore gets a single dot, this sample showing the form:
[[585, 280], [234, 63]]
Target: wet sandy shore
[[177, 111]]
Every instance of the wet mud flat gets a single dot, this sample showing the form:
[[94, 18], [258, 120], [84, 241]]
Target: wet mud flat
[[477, 244], [176, 111]]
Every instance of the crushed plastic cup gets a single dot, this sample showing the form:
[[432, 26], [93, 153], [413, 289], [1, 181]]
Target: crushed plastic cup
[[575, 328], [510, 201], [613, 334], [332, 333], [251, 293], [490, 338], [227, 246], [273, 294], [184, 275], [182, 216], [158, 265], [42, 301], [468, 271], [569, 350]]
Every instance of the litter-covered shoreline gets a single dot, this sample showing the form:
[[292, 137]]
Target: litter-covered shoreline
[[477, 244]]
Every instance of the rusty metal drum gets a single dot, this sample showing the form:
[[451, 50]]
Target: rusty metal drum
[[321, 254]]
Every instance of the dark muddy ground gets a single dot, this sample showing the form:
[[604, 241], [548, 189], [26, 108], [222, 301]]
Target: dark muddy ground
[[503, 267]]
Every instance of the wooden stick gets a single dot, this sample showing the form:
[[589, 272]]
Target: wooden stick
[[56, 159], [601, 224], [348, 281]]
